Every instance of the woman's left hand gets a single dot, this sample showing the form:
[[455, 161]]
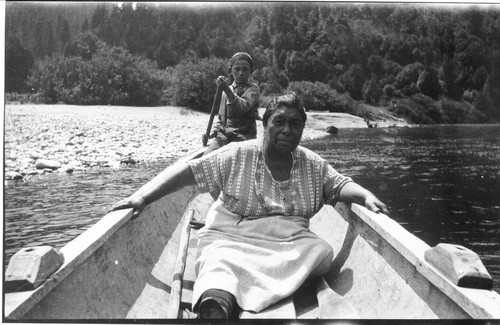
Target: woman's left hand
[[375, 205]]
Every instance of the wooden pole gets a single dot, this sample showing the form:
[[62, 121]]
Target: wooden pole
[[180, 265], [215, 110]]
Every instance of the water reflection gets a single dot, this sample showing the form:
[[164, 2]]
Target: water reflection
[[53, 210], [440, 182]]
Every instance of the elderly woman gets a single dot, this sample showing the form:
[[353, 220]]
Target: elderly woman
[[256, 247], [238, 106]]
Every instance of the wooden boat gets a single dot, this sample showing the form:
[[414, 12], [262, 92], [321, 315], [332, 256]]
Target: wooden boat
[[123, 268]]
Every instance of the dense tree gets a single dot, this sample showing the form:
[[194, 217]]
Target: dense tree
[[18, 62], [353, 80], [408, 76], [85, 45], [372, 91], [489, 100], [99, 17], [85, 26], [376, 53], [45, 43], [63, 33], [305, 65], [428, 83]]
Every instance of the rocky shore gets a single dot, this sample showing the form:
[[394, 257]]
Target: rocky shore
[[41, 139]]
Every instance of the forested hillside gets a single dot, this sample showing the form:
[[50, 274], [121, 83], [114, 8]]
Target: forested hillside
[[426, 63]]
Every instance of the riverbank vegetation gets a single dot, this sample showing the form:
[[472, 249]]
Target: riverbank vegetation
[[424, 63]]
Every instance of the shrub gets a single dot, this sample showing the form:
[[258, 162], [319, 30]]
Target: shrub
[[428, 83], [363, 110], [470, 95], [460, 112], [192, 83], [353, 80], [337, 85], [391, 67], [372, 91], [45, 77], [376, 64], [343, 103], [432, 112], [421, 109], [388, 91], [270, 87], [85, 45], [479, 78], [483, 107], [316, 96], [448, 74], [23, 98], [408, 109], [264, 100], [168, 92], [408, 75], [271, 81], [110, 76]]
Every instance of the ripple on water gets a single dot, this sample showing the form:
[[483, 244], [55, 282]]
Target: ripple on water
[[55, 209], [440, 183]]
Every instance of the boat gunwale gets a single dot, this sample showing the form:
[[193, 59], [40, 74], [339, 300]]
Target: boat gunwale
[[75, 252], [478, 303]]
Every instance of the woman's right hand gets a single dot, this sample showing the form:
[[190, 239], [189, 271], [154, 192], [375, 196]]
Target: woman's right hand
[[137, 203]]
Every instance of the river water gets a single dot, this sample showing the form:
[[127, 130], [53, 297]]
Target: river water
[[442, 183]]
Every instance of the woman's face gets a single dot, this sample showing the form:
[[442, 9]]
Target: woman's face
[[240, 71], [284, 130]]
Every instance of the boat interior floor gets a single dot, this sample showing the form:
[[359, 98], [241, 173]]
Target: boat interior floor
[[303, 304]]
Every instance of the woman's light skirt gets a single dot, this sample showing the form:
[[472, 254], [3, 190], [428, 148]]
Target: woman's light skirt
[[259, 260]]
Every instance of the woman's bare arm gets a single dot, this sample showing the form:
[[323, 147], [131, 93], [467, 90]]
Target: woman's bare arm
[[355, 193], [176, 179]]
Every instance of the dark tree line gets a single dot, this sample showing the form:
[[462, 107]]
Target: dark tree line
[[379, 54]]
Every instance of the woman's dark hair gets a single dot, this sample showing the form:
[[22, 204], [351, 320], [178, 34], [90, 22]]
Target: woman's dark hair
[[288, 99]]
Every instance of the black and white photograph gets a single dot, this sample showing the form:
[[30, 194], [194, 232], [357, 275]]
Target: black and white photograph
[[250, 161]]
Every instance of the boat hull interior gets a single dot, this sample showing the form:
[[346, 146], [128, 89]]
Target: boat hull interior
[[122, 268]]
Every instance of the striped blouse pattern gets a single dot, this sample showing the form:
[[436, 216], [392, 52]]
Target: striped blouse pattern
[[248, 188]]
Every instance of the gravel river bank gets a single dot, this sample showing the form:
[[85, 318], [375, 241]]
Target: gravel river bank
[[42, 139]]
